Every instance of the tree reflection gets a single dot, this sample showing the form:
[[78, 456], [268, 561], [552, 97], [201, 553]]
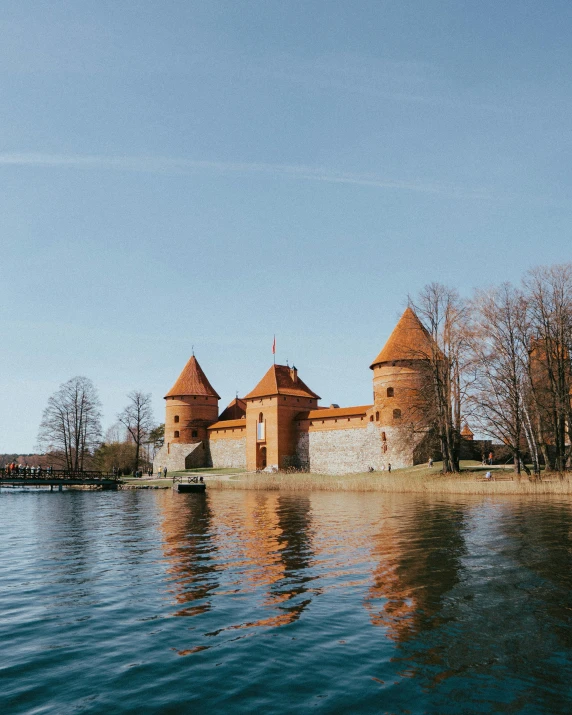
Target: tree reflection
[[419, 562]]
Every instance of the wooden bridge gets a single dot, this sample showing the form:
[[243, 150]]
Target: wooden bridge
[[58, 478]]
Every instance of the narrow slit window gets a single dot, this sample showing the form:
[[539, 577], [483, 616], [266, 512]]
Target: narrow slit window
[[390, 391], [176, 418]]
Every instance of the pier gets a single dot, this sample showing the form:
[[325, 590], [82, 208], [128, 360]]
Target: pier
[[59, 478]]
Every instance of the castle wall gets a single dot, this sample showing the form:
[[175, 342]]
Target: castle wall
[[355, 449], [177, 456], [229, 452]]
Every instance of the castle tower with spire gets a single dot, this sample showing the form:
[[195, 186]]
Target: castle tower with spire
[[191, 406]]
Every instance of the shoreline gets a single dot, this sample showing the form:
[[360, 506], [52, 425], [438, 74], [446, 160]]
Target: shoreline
[[414, 480], [464, 483]]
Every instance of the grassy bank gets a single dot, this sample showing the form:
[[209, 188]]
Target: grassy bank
[[419, 479]]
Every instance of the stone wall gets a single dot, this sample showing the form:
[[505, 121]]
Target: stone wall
[[340, 451], [181, 456], [229, 452]]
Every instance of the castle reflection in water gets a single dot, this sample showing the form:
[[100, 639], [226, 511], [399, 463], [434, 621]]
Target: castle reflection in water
[[278, 552]]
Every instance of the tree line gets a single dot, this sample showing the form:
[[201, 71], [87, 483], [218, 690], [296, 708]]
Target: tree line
[[500, 359], [71, 431]]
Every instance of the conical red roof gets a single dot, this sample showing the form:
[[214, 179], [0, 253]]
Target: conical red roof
[[279, 380], [408, 341], [192, 381], [466, 431]]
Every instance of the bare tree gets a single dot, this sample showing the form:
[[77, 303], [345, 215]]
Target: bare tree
[[71, 423], [445, 317], [549, 299], [137, 418], [499, 359]]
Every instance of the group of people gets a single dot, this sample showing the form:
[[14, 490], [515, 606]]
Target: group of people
[[25, 470]]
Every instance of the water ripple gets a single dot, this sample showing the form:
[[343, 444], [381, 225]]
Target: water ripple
[[153, 602]]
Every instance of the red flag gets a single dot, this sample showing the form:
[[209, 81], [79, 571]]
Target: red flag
[[274, 346]]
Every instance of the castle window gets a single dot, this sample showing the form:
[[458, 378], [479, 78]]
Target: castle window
[[371, 418], [390, 391], [348, 419], [194, 397], [385, 447], [194, 433], [260, 432], [396, 414], [383, 436], [176, 433], [176, 418], [377, 416], [283, 398]]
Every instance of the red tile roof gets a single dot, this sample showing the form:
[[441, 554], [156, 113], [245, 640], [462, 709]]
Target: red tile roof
[[466, 431], [228, 424], [408, 341], [192, 381], [234, 411], [279, 380], [334, 412]]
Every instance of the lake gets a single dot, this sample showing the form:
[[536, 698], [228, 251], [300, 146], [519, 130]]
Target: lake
[[269, 602]]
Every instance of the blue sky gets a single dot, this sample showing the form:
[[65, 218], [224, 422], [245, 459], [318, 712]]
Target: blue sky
[[211, 173]]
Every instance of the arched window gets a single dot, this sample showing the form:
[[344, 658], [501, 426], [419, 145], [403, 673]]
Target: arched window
[[371, 418], [377, 416], [390, 391], [176, 418], [261, 418], [383, 437], [176, 433], [396, 414]]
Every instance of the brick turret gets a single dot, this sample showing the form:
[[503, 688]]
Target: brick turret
[[191, 406], [399, 373]]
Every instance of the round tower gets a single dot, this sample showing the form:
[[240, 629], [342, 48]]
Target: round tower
[[191, 406], [400, 372]]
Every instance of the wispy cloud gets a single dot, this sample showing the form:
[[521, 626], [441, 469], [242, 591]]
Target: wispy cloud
[[301, 172]]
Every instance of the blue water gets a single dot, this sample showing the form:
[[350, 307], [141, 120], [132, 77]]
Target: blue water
[[243, 602]]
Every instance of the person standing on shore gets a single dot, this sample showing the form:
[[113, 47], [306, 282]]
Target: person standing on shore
[[389, 467]]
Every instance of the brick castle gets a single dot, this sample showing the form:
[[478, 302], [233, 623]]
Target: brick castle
[[280, 424]]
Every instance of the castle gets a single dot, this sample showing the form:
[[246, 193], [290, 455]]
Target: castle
[[279, 424]]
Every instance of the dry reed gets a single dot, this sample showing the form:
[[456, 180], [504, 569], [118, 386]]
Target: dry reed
[[404, 482]]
